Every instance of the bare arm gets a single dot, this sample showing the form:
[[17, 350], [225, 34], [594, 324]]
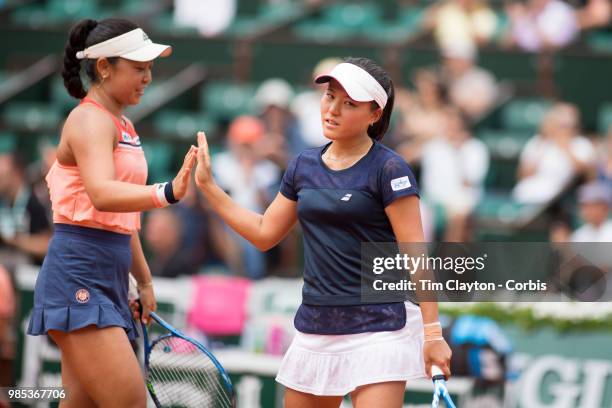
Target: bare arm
[[142, 273], [90, 138], [405, 217], [263, 231], [140, 268]]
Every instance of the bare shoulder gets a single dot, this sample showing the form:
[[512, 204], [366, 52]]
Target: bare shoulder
[[85, 120]]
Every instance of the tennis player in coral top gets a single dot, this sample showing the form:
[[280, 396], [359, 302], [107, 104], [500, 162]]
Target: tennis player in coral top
[[97, 188]]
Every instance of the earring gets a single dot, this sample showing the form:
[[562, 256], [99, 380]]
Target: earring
[[101, 82]]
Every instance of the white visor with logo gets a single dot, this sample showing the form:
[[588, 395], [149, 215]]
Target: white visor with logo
[[357, 82], [134, 45]]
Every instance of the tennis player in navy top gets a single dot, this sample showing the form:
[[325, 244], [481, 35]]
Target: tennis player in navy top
[[350, 191]]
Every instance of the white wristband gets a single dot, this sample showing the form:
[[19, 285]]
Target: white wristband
[[161, 196]]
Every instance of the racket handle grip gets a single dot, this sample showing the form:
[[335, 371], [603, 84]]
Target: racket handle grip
[[436, 373]]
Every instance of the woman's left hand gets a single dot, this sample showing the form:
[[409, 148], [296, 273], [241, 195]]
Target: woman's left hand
[[181, 181], [437, 353]]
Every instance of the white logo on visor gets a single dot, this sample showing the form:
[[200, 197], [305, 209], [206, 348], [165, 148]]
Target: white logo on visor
[[346, 197], [400, 183]]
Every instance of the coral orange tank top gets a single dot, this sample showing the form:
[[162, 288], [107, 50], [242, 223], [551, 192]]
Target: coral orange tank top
[[71, 203]]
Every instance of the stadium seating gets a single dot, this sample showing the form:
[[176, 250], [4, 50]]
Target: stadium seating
[[183, 124], [226, 100], [32, 116], [605, 118], [504, 144], [160, 158], [365, 21], [55, 11], [600, 41], [7, 142], [524, 114], [59, 97]]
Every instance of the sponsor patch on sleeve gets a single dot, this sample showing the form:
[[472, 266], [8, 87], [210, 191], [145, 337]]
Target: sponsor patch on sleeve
[[401, 183]]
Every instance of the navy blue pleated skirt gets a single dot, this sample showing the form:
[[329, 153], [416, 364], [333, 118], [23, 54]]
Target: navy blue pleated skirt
[[83, 281]]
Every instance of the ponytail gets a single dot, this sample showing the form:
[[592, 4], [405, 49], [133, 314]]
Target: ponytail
[[377, 130], [85, 34], [71, 71]]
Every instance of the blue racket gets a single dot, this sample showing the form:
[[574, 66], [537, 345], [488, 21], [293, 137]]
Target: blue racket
[[440, 389], [180, 372]]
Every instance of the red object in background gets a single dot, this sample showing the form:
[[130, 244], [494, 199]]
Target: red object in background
[[219, 304], [246, 130], [7, 298]]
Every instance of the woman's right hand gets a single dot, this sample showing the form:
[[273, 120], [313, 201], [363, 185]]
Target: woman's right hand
[[203, 173], [144, 304]]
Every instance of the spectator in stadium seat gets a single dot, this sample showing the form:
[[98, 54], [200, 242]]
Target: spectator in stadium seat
[[205, 242], [248, 178], [541, 24], [37, 171], [282, 141], [454, 166], [560, 229], [470, 88], [422, 115], [209, 17], [305, 106], [552, 159], [162, 235], [595, 13], [24, 225], [461, 23], [594, 199], [604, 163], [272, 100]]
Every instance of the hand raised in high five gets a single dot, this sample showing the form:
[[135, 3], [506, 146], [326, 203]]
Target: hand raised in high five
[[203, 173], [181, 181]]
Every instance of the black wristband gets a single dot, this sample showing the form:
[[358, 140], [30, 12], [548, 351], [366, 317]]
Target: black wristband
[[169, 193]]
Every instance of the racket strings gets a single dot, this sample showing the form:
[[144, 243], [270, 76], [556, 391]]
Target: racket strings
[[185, 379], [183, 376]]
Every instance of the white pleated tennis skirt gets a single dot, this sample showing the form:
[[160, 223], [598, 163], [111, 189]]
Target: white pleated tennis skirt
[[337, 364]]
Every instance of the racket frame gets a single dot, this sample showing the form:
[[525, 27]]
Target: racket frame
[[438, 378], [148, 346]]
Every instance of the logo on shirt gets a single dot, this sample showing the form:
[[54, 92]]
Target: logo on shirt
[[129, 140], [346, 197], [82, 296], [400, 183]]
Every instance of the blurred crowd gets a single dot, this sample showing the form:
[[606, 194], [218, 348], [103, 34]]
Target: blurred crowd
[[531, 25], [433, 129]]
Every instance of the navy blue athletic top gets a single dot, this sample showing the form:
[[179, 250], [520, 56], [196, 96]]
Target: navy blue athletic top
[[338, 210]]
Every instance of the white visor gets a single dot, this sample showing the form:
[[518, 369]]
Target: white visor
[[357, 82], [133, 45]]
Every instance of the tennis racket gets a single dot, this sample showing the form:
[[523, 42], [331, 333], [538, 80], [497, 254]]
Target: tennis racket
[[440, 389], [180, 372]]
